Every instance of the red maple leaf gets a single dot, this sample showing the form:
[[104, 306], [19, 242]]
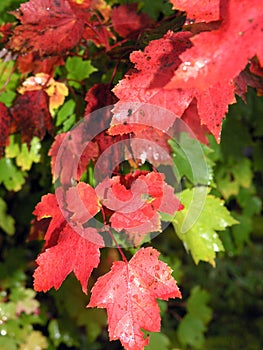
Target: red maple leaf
[[221, 54], [31, 115], [69, 246], [129, 293], [127, 22], [70, 156], [201, 11], [83, 202], [136, 200], [47, 27], [146, 87], [49, 208], [72, 252], [5, 124]]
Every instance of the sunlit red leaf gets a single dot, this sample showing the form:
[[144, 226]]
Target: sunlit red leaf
[[83, 202], [31, 115], [72, 253], [136, 200], [129, 293], [221, 54], [49, 208], [199, 10], [147, 84]]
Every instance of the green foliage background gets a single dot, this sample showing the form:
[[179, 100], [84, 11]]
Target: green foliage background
[[222, 306]]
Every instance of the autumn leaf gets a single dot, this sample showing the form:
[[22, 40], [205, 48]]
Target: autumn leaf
[[200, 11], [55, 90], [127, 22], [136, 200], [31, 115], [49, 208], [83, 202], [5, 124], [41, 22], [221, 54], [72, 253], [145, 88], [129, 293], [69, 246]]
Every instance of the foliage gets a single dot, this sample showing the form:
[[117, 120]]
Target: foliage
[[116, 157]]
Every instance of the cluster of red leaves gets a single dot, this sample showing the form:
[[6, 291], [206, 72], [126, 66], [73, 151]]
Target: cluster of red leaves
[[191, 75], [182, 69], [129, 290]]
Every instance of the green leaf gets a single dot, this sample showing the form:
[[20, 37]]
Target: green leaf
[[65, 112], [7, 343], [62, 332], [25, 155], [193, 326], [8, 78], [10, 176], [35, 341], [158, 341], [78, 70], [197, 223], [230, 178], [7, 223], [197, 305], [191, 159]]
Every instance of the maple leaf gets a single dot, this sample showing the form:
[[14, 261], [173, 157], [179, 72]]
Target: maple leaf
[[145, 88], [41, 22], [83, 202], [221, 54], [129, 293], [127, 22], [204, 10], [5, 124], [30, 113], [136, 200], [30, 62], [49, 208], [72, 252], [69, 246], [198, 230]]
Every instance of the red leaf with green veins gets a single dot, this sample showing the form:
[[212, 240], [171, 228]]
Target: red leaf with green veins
[[199, 10], [31, 115], [72, 253], [129, 293], [5, 124], [221, 54]]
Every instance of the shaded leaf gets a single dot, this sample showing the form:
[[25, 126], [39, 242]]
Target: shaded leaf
[[7, 223], [10, 176], [127, 22], [30, 112]]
